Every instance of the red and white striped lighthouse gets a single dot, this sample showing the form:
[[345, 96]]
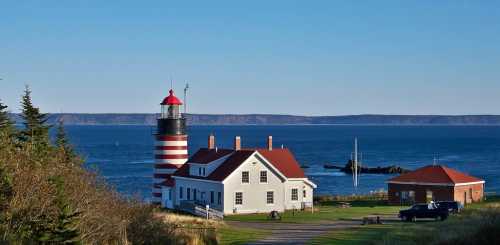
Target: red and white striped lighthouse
[[171, 145]]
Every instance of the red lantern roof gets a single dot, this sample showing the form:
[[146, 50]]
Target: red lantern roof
[[171, 99]]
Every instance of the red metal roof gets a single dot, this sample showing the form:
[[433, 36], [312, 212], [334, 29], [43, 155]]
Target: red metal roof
[[205, 155], [281, 159], [435, 174], [169, 182], [284, 161], [171, 99]]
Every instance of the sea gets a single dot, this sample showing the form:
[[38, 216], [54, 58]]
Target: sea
[[123, 155]]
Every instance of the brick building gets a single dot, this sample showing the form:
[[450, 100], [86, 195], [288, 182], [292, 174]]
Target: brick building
[[435, 183]]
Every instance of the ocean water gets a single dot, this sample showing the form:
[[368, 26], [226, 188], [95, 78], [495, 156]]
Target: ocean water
[[124, 154]]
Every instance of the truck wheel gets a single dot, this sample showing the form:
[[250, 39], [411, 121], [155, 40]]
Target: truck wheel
[[413, 219], [443, 217]]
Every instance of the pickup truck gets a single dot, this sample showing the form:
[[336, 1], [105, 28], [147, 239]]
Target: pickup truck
[[452, 206], [423, 211]]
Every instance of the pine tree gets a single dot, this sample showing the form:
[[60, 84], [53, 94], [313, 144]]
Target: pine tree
[[62, 230], [5, 122], [35, 129], [62, 142]]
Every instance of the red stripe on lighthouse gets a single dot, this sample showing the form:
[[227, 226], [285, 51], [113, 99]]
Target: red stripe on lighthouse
[[167, 166], [162, 176], [171, 147], [183, 156]]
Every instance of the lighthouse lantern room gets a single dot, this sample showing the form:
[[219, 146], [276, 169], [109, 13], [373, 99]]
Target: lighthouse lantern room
[[170, 149]]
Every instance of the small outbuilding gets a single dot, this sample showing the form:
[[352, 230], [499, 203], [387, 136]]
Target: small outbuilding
[[435, 183]]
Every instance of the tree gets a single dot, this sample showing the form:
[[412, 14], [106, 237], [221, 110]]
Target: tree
[[5, 122], [63, 229], [62, 142], [35, 129]]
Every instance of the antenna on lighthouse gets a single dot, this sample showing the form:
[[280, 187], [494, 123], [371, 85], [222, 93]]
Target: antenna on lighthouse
[[185, 97]]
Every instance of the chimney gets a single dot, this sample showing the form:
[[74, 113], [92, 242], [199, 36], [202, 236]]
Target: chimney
[[211, 142], [237, 143], [270, 143]]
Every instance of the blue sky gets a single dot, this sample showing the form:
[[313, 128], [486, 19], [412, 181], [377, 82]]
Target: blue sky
[[287, 57]]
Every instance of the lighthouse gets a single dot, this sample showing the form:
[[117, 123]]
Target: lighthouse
[[170, 148]]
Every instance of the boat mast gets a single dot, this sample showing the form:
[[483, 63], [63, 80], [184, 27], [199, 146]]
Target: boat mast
[[355, 162]]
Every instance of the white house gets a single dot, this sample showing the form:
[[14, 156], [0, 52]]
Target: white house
[[240, 180]]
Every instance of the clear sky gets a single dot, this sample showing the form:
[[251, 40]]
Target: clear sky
[[290, 57]]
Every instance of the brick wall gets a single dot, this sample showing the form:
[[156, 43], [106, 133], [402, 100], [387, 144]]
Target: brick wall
[[440, 193], [477, 193]]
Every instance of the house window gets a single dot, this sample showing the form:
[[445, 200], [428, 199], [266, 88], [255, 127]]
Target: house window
[[195, 194], [295, 194], [169, 194], [212, 197], [270, 197], [429, 196], [189, 193], [245, 177], [304, 193], [181, 190], [203, 171], [238, 198], [470, 194], [219, 198], [263, 176], [199, 171]]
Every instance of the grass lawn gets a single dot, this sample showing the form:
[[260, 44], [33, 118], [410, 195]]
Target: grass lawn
[[478, 224], [362, 235], [326, 212], [234, 236]]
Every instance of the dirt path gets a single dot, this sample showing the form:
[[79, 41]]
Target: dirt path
[[290, 233]]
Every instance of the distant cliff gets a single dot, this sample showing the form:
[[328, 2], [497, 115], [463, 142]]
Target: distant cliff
[[259, 119]]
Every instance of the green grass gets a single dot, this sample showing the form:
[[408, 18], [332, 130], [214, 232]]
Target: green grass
[[235, 236], [478, 224], [362, 235], [325, 213]]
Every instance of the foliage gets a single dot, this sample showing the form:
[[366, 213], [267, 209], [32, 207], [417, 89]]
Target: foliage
[[48, 197], [62, 142], [35, 129]]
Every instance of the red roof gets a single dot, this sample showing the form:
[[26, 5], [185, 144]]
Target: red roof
[[205, 155], [171, 99], [281, 159], [435, 174], [169, 182], [284, 161]]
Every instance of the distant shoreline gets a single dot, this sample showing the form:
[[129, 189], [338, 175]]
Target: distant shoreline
[[149, 119]]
